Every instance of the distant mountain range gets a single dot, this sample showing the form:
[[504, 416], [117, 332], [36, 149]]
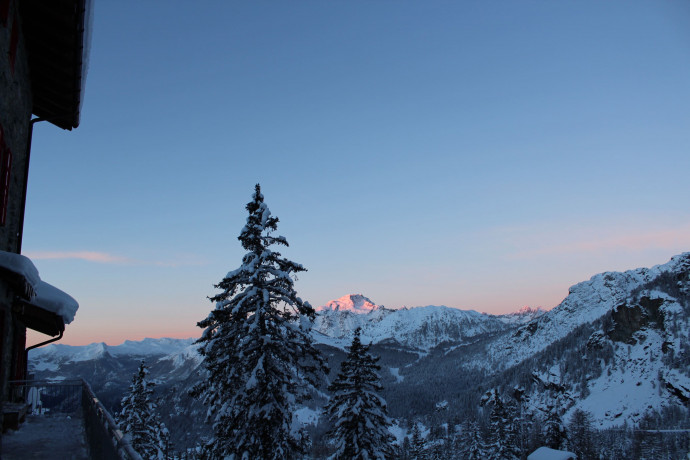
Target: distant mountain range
[[420, 328], [617, 346]]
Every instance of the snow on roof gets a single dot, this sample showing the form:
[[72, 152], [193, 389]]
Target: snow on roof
[[21, 265], [53, 299], [545, 453], [47, 297]]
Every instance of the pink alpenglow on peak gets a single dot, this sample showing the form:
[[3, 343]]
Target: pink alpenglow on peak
[[527, 310], [355, 303]]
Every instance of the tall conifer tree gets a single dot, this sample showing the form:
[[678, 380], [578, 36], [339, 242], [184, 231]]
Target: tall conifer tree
[[417, 443], [473, 442], [359, 415], [139, 420], [502, 440], [257, 350], [554, 430]]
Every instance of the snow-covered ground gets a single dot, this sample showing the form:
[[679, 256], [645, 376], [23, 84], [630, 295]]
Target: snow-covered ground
[[61, 437], [395, 372], [305, 416], [620, 393]]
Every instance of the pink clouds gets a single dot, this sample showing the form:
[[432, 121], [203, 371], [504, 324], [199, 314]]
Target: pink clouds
[[90, 256], [618, 239], [106, 258]]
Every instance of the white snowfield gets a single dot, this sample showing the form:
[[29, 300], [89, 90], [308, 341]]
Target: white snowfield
[[619, 393]]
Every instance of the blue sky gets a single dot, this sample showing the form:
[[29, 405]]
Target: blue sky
[[480, 155]]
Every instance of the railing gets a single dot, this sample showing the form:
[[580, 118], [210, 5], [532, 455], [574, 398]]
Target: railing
[[75, 397], [48, 397]]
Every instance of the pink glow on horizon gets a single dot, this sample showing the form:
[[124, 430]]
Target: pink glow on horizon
[[76, 336], [90, 256], [631, 242]]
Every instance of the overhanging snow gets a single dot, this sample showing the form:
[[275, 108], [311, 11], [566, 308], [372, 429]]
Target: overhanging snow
[[41, 294], [54, 300], [20, 265]]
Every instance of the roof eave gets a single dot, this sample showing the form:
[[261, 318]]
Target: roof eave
[[57, 40]]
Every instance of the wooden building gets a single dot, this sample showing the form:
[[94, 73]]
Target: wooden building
[[43, 49]]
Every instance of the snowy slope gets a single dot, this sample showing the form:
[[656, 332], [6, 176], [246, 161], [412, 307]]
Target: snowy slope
[[585, 303], [52, 356], [628, 386], [643, 372], [636, 375], [632, 360], [181, 357]]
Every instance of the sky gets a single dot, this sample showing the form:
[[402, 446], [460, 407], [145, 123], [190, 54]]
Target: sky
[[479, 155]]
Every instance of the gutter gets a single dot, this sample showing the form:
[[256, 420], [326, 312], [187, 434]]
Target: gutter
[[54, 339], [26, 352]]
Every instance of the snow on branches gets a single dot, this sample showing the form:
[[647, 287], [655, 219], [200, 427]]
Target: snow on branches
[[139, 420], [357, 412], [258, 350]]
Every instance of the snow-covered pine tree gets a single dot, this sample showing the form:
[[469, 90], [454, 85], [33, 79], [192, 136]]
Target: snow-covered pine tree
[[258, 350], [554, 430], [473, 444], [139, 420], [502, 435], [417, 443], [359, 415], [522, 420], [581, 434]]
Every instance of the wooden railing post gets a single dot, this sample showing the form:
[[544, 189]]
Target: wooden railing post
[[104, 435]]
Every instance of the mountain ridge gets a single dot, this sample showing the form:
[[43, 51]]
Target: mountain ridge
[[616, 346]]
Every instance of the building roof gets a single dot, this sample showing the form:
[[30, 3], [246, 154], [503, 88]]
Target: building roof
[[40, 306], [57, 37]]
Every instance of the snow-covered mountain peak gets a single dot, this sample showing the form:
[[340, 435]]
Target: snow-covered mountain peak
[[527, 310], [522, 316], [145, 348], [421, 328], [355, 303], [151, 347], [50, 355]]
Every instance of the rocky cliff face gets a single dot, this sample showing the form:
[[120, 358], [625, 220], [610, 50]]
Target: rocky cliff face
[[587, 302], [633, 357]]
